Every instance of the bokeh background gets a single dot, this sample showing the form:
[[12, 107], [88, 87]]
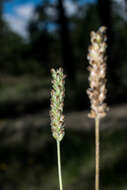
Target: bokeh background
[[36, 35]]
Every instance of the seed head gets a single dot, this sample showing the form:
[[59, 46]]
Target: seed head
[[57, 102], [97, 69]]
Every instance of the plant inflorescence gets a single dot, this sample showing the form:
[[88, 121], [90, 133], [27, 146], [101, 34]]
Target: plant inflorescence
[[96, 93], [56, 112], [97, 90]]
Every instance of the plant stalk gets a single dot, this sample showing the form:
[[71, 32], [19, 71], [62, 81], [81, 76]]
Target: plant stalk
[[97, 156], [59, 166]]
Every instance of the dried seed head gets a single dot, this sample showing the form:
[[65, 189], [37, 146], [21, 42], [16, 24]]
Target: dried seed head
[[97, 69], [57, 102]]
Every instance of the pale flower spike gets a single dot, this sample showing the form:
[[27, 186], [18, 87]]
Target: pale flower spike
[[97, 69], [57, 102]]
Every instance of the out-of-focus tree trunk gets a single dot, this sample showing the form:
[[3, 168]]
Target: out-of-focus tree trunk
[[68, 56], [105, 12], [1, 19], [1, 7], [2, 45], [126, 4]]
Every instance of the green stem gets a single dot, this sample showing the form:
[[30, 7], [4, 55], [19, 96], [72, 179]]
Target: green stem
[[97, 142], [59, 166]]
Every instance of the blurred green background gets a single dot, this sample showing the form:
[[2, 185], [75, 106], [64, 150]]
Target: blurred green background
[[34, 37]]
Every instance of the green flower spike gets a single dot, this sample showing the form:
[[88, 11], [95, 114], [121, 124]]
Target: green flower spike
[[57, 102]]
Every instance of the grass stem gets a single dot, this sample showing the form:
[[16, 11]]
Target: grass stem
[[59, 165], [97, 142]]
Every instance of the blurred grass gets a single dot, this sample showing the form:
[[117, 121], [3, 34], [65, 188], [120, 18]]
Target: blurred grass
[[28, 151], [23, 94], [23, 88], [31, 162]]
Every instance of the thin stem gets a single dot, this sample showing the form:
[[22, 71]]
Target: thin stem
[[97, 144], [59, 166]]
